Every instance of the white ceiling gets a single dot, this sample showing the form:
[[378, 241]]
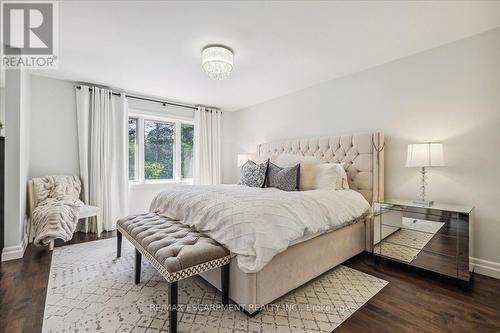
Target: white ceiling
[[280, 47]]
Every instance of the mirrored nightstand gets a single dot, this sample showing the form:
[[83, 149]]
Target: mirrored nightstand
[[438, 238]]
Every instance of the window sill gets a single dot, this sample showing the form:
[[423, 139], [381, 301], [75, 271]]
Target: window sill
[[159, 183]]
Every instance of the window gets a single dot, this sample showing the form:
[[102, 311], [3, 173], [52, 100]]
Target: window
[[160, 149], [132, 148], [187, 133]]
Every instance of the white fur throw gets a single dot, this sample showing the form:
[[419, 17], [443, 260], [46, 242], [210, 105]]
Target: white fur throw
[[57, 209]]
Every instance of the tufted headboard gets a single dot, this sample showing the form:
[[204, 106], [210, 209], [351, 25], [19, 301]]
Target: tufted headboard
[[358, 152]]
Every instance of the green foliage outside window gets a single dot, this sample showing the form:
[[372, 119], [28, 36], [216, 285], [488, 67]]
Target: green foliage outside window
[[187, 136], [153, 170], [158, 149], [132, 144], [159, 145]]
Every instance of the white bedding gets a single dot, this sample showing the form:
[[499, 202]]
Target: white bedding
[[255, 224]]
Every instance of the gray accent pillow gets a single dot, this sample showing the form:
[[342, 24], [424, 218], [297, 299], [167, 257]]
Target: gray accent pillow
[[286, 179], [253, 174]]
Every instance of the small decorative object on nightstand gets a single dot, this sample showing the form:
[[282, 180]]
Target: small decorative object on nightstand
[[424, 155], [437, 238]]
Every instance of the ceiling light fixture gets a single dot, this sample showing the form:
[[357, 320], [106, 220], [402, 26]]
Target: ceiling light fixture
[[217, 61]]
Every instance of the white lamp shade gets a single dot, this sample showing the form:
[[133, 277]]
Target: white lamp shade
[[425, 155], [243, 158]]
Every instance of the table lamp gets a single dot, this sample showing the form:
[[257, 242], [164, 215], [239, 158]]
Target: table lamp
[[424, 155]]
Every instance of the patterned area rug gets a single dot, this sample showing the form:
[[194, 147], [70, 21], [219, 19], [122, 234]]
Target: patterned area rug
[[406, 243], [92, 291]]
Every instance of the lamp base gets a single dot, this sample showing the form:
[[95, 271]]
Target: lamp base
[[427, 203]]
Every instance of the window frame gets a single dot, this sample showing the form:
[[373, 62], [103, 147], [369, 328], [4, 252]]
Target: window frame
[[136, 151], [140, 180]]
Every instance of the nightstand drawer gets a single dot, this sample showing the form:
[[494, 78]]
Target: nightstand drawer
[[444, 224]]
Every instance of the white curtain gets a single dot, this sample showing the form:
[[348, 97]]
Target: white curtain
[[102, 142], [207, 146]]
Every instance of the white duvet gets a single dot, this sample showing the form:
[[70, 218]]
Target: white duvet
[[255, 224]]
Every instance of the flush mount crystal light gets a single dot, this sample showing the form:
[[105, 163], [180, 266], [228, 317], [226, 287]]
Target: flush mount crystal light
[[217, 61]]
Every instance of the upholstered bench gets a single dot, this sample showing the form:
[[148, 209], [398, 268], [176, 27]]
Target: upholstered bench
[[176, 251]]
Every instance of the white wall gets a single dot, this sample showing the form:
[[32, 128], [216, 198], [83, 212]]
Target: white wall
[[158, 109], [17, 116], [449, 94], [54, 137]]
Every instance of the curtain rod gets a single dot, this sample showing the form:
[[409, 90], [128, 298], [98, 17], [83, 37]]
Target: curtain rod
[[149, 99]]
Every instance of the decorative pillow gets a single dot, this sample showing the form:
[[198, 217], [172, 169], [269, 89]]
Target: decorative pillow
[[286, 179], [331, 176], [308, 168], [342, 182], [253, 174]]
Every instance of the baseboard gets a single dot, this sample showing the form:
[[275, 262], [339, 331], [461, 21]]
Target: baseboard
[[485, 267], [15, 252]]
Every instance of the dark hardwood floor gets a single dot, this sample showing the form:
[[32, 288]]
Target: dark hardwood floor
[[411, 302], [23, 286]]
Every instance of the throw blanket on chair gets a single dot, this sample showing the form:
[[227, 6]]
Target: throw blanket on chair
[[57, 208]]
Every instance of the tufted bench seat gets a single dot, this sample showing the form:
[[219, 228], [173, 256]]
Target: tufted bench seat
[[176, 251]]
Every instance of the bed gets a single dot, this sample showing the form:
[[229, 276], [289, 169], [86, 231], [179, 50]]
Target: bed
[[311, 256]]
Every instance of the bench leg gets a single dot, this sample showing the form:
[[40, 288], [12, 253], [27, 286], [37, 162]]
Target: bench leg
[[138, 257], [172, 300], [118, 244], [225, 284]]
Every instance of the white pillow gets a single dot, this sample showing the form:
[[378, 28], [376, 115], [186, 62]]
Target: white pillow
[[258, 159], [313, 174], [308, 168], [331, 176]]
